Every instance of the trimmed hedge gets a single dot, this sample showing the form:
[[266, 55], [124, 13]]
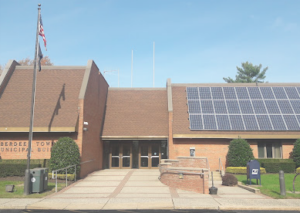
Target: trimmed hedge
[[9, 169], [241, 170], [275, 165], [44, 162], [62, 176], [298, 170]]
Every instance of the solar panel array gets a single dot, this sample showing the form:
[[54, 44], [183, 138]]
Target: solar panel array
[[244, 108]]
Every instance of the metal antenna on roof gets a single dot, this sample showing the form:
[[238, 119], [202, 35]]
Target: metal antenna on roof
[[131, 66], [153, 63]]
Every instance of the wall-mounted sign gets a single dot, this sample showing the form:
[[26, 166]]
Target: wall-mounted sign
[[192, 151]]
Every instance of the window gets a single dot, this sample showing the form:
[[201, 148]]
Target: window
[[269, 149]]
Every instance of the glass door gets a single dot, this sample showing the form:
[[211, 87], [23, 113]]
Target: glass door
[[144, 156], [126, 156], [115, 156], [155, 155]]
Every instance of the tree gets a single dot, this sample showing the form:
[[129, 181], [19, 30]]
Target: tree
[[296, 152], [249, 73], [239, 153], [65, 152], [28, 62]]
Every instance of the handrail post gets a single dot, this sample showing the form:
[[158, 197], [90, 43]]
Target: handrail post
[[219, 165], [66, 178], [75, 173], [56, 182]]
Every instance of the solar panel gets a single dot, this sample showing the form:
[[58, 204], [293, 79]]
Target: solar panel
[[291, 122], [204, 93], [217, 93], [279, 93], [242, 92], [220, 107], [292, 92], [277, 122], [194, 106], [192, 93], [259, 107], [223, 122], [250, 122], [207, 107], [264, 122], [272, 107], [244, 108], [285, 107], [229, 93], [236, 122], [209, 122], [296, 106], [267, 92], [233, 107], [196, 122], [254, 93]]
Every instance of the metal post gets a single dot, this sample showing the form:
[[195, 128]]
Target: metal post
[[282, 183], [66, 178], [27, 189], [56, 182]]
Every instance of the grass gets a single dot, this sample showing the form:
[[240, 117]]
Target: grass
[[270, 185], [19, 190]]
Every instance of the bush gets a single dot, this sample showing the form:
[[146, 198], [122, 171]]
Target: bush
[[8, 170], [296, 152], [298, 170], [229, 180], [239, 153], [275, 165], [65, 152], [242, 170], [44, 162], [62, 176]]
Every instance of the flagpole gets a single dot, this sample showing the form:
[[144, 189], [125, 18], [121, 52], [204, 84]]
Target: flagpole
[[27, 188]]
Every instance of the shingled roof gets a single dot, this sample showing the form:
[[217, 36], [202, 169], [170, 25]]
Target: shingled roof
[[56, 106], [136, 114]]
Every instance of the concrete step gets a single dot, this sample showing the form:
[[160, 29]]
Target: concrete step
[[216, 175]]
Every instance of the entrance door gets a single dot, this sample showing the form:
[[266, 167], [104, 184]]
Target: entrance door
[[121, 156], [149, 156]]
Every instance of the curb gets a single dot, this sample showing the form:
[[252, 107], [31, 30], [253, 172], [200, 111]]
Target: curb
[[249, 188]]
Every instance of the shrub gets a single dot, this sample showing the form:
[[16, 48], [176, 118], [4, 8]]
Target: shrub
[[44, 162], [272, 167], [229, 180], [239, 153], [242, 170], [298, 170], [65, 152], [296, 152], [8, 170], [62, 176]]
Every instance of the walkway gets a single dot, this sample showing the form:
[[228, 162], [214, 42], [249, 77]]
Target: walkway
[[141, 189]]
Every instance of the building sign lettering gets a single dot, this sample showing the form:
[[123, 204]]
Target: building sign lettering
[[22, 146]]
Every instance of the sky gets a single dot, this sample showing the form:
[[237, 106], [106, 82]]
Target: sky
[[196, 41]]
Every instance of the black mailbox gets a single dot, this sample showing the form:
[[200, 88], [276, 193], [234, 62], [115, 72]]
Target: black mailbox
[[253, 171]]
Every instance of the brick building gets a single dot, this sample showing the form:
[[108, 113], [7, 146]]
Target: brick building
[[138, 127]]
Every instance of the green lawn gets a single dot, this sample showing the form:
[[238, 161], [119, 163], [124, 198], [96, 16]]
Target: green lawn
[[19, 190], [270, 185]]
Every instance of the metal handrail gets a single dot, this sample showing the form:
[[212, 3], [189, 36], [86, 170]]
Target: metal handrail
[[66, 168], [220, 163]]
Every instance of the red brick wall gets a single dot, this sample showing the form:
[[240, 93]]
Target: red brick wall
[[170, 174], [14, 145], [93, 113]]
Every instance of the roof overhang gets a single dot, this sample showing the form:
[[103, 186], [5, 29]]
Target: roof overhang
[[38, 129], [134, 137], [287, 135]]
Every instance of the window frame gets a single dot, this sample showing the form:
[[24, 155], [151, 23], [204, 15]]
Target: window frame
[[274, 143]]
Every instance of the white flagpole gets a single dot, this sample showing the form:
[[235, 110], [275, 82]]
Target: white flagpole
[[27, 189]]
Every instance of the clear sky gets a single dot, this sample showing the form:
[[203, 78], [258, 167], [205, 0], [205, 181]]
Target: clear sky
[[195, 41]]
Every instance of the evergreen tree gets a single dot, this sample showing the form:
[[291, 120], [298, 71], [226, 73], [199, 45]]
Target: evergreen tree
[[296, 152], [249, 73], [239, 153]]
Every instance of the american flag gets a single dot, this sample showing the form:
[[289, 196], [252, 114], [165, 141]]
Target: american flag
[[41, 32]]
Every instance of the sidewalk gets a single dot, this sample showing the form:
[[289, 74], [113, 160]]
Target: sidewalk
[[141, 189]]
